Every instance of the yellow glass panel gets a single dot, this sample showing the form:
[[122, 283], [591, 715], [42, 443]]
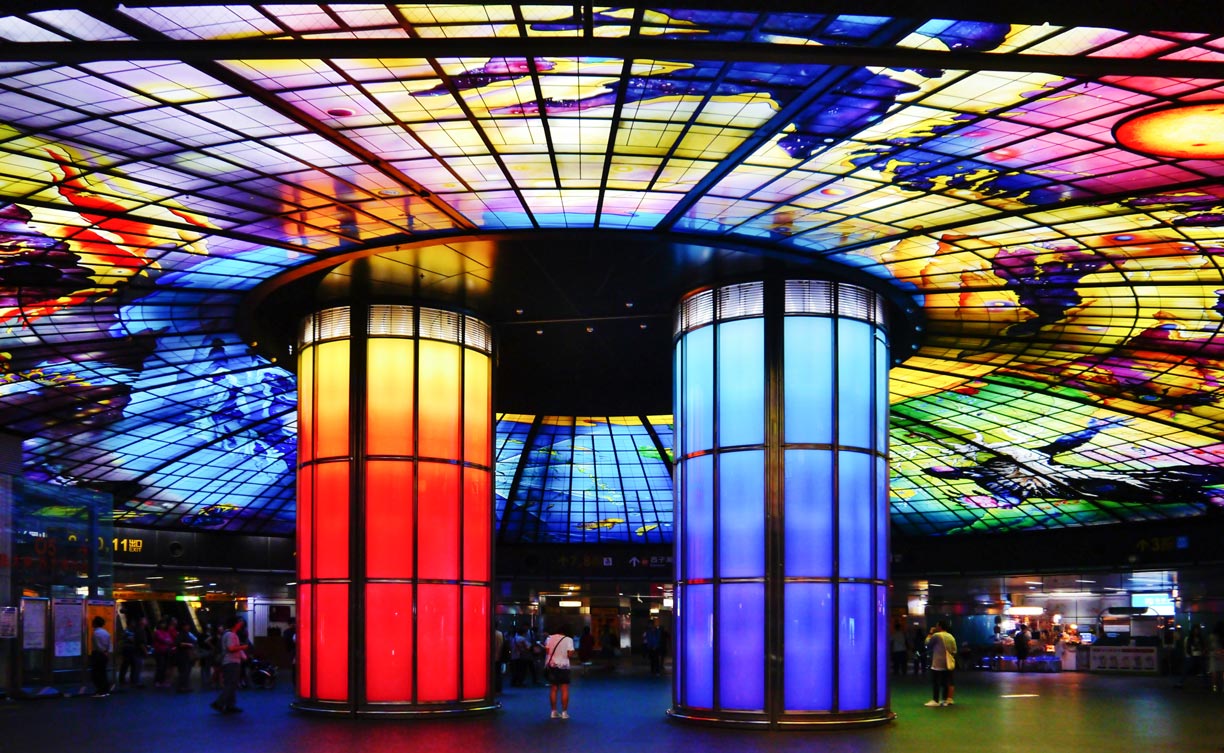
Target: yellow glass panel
[[438, 373], [332, 399], [306, 405], [390, 375], [477, 407]]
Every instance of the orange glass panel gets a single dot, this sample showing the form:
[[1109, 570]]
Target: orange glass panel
[[477, 630], [388, 523], [477, 526], [439, 501], [438, 665], [332, 399], [388, 635], [332, 641], [305, 523], [331, 526], [305, 641], [389, 397], [439, 399], [306, 419], [477, 407]]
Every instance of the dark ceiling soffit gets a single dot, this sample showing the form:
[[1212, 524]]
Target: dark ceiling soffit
[[1178, 15], [654, 49]]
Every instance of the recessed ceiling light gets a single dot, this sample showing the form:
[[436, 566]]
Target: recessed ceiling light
[[390, 192], [341, 112]]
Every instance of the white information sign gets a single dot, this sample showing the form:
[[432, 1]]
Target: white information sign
[[34, 623], [67, 615]]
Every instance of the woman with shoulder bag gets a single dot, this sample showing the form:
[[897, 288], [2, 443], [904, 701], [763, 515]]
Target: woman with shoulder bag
[[559, 649]]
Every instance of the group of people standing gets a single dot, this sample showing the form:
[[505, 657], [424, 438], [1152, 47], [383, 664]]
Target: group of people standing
[[221, 654], [1203, 655]]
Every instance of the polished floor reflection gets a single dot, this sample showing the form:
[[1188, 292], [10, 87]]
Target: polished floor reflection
[[624, 711]]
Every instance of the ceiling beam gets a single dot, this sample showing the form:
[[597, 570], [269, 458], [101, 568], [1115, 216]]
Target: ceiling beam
[[1171, 15], [649, 49]]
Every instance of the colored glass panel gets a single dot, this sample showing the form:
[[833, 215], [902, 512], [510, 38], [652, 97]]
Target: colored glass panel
[[305, 523], [808, 379], [741, 514], [808, 547], [697, 547], [741, 646], [389, 524], [389, 397], [855, 502], [697, 350], [477, 629], [477, 407], [438, 617], [440, 385], [388, 642], [331, 644], [879, 414], [1023, 205], [439, 501], [741, 382], [584, 479], [855, 356], [477, 525], [332, 399], [305, 640], [697, 682], [810, 640], [306, 409], [856, 642], [331, 526], [880, 522], [881, 645]]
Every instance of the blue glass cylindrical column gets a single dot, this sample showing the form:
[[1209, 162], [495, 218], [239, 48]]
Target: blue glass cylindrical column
[[781, 405]]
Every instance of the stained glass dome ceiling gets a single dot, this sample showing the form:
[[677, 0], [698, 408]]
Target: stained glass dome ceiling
[[1050, 195]]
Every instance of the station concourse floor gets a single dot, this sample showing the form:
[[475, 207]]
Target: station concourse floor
[[623, 712]]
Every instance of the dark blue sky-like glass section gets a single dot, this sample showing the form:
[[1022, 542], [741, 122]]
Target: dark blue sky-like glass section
[[583, 479]]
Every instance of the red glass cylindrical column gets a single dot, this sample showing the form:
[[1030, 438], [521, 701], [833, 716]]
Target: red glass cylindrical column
[[394, 511]]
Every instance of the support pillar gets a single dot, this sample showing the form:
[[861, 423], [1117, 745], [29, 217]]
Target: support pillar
[[781, 483], [394, 511]]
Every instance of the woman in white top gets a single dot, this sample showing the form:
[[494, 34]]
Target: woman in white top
[[558, 650]]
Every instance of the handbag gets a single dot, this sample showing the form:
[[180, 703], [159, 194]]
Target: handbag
[[555, 675]]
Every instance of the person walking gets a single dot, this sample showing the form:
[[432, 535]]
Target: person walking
[[185, 656], [942, 649], [1215, 657], [520, 653], [1193, 650], [1021, 639], [99, 658], [558, 650], [898, 646], [163, 647], [233, 654], [654, 647]]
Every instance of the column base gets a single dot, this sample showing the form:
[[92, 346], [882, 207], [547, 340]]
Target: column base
[[870, 718], [396, 710]]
